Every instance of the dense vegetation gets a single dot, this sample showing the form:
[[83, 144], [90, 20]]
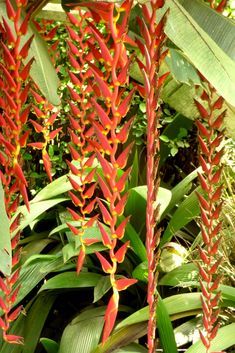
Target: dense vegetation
[[117, 168]]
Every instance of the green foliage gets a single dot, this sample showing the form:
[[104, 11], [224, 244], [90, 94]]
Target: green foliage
[[49, 247], [5, 237]]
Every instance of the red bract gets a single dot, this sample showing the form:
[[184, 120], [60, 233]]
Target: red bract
[[209, 140], [111, 129], [13, 136], [154, 37], [80, 148]]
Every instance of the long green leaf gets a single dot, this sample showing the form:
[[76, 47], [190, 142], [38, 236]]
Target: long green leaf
[[43, 71], [175, 304], [180, 190], [55, 188], [224, 339], [137, 201], [27, 325], [135, 326], [187, 276], [122, 338], [165, 329], [5, 237], [136, 243], [68, 280], [36, 318], [32, 273], [132, 348], [201, 50], [82, 336], [217, 26], [187, 211], [36, 209]]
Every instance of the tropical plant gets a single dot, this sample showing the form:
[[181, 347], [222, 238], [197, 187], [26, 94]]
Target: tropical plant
[[108, 231]]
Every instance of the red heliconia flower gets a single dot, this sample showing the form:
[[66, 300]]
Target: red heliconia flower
[[210, 206], [111, 128], [110, 315], [14, 133], [84, 187]]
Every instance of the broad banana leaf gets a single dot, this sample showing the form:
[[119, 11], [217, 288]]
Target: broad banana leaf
[[218, 27]]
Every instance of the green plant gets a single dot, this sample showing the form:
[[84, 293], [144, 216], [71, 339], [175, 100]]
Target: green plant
[[66, 254]]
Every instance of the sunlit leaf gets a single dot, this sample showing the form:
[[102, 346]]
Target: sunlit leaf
[[49, 345], [71, 280], [5, 237], [224, 339]]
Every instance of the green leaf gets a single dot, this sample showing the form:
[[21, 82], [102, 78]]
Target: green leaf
[[49, 345], [34, 247], [32, 273], [181, 189], [181, 69], [137, 201], [36, 209], [5, 237], [122, 338], [55, 188], [42, 71], [186, 276], [201, 50], [224, 339], [36, 318], [220, 28], [172, 131], [141, 272], [101, 288], [69, 280], [82, 336], [134, 172], [70, 250], [135, 326], [132, 348], [165, 329], [187, 211], [135, 241], [175, 304]]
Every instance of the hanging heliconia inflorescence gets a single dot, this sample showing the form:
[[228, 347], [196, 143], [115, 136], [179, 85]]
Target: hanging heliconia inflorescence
[[14, 84], [81, 131], [210, 137], [111, 105], [153, 53]]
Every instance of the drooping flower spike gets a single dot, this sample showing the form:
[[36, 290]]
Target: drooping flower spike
[[152, 50], [81, 130], [111, 128], [210, 136], [14, 84]]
